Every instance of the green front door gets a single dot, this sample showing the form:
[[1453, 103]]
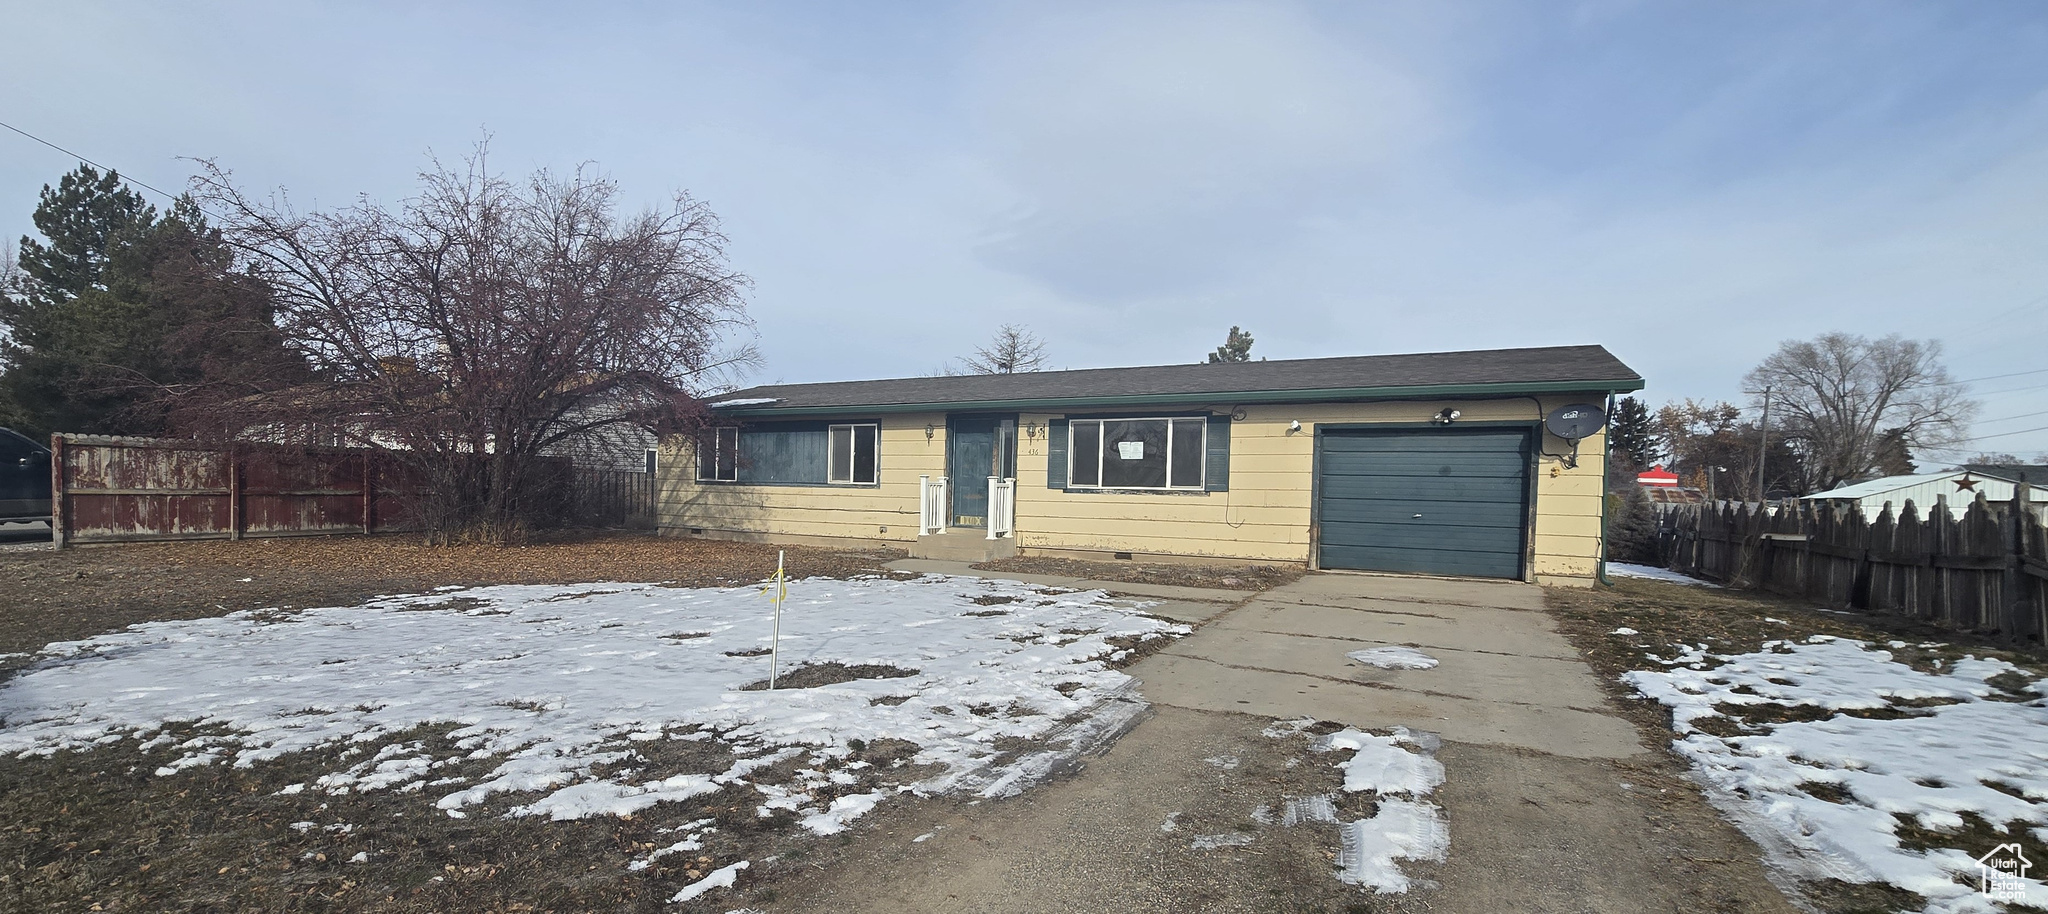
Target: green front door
[[977, 447], [1450, 501]]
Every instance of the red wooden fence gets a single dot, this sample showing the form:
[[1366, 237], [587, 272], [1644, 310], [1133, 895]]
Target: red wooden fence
[[115, 489]]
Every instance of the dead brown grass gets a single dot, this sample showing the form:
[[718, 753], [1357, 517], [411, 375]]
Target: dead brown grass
[[77, 593], [1214, 577], [1727, 621]]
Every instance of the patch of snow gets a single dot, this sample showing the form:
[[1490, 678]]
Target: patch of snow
[[1405, 827], [1212, 842], [1172, 822], [1394, 658], [1653, 573], [721, 878], [1624, 630], [1225, 762], [1379, 764], [1400, 830], [843, 810], [1933, 764], [1308, 809], [550, 682], [920, 839], [1281, 729], [747, 401], [360, 857]]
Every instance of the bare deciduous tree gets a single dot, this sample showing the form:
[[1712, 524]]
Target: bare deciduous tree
[[482, 324], [1014, 349], [1838, 396]]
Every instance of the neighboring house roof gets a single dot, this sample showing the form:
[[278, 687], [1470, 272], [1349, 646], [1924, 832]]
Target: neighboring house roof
[[2033, 474], [1552, 369]]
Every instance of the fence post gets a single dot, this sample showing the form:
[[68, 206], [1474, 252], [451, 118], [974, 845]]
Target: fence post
[[2017, 611], [58, 516], [369, 494], [234, 493]]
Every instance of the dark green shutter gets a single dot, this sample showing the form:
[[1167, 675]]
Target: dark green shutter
[[1056, 454], [1216, 478]]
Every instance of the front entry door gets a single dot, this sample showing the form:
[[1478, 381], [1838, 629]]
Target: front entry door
[[977, 448]]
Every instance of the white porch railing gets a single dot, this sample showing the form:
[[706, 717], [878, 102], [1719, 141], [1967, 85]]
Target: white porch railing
[[932, 506], [1002, 507]]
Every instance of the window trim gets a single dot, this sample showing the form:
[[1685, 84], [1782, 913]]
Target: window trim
[[853, 446], [718, 444], [1202, 476]]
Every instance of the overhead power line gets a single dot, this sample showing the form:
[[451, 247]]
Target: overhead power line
[[2023, 431], [1994, 377], [124, 178], [2020, 416]]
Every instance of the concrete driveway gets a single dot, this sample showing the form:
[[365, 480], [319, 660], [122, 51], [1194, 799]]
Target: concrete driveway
[[1505, 676], [1553, 803]]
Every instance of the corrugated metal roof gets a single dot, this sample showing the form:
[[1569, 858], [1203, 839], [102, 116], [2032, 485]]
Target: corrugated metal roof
[[1545, 369], [1886, 485]]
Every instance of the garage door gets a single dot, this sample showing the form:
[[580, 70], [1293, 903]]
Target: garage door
[[1434, 501]]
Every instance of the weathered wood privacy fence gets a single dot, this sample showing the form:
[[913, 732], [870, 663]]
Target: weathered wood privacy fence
[[117, 489], [611, 498], [1986, 571]]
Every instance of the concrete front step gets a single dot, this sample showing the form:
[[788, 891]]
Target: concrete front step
[[963, 545]]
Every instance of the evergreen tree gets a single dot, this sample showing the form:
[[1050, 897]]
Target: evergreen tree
[[83, 218], [1633, 433], [1894, 453], [1631, 526], [122, 309], [1237, 347]]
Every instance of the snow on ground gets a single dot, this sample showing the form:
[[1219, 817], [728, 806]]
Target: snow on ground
[[1821, 796], [1653, 573], [1394, 658], [550, 681], [1405, 826]]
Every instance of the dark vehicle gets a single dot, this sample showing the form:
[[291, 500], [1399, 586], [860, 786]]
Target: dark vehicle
[[24, 479]]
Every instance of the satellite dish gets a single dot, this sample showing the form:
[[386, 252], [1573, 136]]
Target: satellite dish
[[1579, 420]]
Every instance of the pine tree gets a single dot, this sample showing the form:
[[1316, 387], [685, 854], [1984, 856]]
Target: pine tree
[[83, 217], [120, 310], [1237, 347], [1633, 433]]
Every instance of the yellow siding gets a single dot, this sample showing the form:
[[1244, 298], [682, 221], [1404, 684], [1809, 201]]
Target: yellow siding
[[885, 512], [1263, 517]]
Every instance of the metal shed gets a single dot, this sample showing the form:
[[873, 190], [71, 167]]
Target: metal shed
[[1958, 487]]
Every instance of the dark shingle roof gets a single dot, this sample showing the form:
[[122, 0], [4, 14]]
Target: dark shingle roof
[[1485, 372]]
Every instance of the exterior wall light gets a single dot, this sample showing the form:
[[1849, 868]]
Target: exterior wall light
[[1446, 417]]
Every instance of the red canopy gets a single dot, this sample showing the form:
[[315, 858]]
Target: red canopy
[[1657, 476]]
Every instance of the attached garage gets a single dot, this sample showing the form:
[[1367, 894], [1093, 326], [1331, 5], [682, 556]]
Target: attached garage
[[1425, 463], [1450, 501]]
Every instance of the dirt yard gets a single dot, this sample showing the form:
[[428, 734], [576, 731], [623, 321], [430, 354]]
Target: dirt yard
[[1730, 621], [1215, 577], [98, 831]]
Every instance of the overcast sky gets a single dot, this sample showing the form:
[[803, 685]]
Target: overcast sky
[[1687, 184]]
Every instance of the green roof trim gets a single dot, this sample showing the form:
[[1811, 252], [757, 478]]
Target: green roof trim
[[1214, 398]]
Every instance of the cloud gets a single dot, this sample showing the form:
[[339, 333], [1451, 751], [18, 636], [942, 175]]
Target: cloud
[[1156, 148]]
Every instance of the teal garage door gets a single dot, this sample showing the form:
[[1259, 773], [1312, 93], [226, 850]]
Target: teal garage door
[[1445, 501]]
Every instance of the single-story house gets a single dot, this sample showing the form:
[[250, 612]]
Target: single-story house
[[1954, 488], [1433, 463]]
